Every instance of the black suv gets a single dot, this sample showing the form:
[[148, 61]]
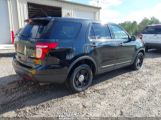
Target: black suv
[[73, 51]]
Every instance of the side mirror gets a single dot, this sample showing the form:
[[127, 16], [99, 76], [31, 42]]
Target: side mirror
[[133, 38]]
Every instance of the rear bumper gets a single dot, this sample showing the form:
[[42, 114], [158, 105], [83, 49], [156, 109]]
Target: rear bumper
[[153, 45], [42, 74]]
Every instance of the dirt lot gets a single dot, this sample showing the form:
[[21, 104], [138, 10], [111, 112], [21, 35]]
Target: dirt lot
[[119, 93]]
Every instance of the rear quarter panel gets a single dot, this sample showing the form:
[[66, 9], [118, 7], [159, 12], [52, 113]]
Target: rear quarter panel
[[139, 47]]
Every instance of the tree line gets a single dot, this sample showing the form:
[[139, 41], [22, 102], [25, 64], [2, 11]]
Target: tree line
[[134, 28]]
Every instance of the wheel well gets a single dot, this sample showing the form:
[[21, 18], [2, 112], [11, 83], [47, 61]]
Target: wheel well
[[84, 61], [142, 51]]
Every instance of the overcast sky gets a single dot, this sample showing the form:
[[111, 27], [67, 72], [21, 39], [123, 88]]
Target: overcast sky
[[126, 10]]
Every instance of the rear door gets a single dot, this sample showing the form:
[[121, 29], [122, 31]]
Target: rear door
[[125, 49], [104, 46]]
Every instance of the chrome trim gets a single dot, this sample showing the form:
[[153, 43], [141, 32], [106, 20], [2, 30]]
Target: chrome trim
[[116, 64], [107, 66]]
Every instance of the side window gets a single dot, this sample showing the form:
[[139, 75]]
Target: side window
[[65, 30], [118, 32], [149, 30], [99, 31], [158, 30]]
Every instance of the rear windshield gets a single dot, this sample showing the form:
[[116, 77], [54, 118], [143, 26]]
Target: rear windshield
[[152, 30], [35, 30], [60, 30]]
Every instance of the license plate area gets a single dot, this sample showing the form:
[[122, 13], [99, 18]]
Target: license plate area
[[25, 60]]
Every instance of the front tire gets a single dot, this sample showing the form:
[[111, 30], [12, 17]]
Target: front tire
[[80, 79], [138, 61]]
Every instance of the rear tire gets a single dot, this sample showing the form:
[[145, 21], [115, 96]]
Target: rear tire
[[138, 61], [80, 79]]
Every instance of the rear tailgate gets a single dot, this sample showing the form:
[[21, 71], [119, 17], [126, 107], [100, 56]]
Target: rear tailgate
[[148, 38], [25, 52], [152, 34], [34, 31]]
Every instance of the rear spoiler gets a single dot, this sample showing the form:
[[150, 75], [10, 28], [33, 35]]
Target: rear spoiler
[[37, 21]]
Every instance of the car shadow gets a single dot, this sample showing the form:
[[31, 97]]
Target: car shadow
[[19, 93], [109, 75]]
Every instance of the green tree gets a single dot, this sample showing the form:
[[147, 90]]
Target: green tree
[[147, 21], [154, 20], [143, 24], [130, 27], [133, 28]]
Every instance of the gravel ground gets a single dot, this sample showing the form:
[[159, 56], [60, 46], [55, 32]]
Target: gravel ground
[[120, 93]]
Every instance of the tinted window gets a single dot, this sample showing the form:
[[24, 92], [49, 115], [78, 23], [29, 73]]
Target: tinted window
[[158, 30], [65, 30], [99, 31], [34, 30], [152, 30], [118, 32], [39, 31], [149, 30]]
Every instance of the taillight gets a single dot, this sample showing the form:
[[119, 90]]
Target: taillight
[[12, 36], [42, 49]]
